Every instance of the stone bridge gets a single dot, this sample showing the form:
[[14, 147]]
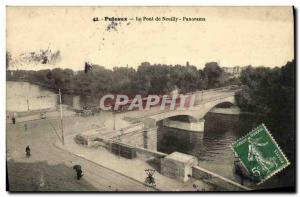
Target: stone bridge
[[204, 102], [199, 110]]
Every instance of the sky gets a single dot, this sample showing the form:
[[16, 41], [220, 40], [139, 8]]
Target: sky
[[231, 36]]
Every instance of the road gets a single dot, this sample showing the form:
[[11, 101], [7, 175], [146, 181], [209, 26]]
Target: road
[[50, 168]]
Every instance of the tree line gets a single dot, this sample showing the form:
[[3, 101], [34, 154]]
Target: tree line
[[271, 93], [146, 79]]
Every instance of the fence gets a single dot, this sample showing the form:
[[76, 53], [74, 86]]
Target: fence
[[215, 179]]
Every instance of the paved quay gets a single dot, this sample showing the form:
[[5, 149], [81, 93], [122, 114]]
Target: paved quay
[[133, 168], [50, 168]]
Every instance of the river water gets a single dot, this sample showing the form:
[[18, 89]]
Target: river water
[[23, 96], [211, 147]]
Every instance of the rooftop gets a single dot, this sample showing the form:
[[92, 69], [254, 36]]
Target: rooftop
[[181, 157]]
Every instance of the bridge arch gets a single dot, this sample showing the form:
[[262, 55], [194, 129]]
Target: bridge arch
[[205, 101], [196, 113], [204, 108], [224, 105], [221, 104]]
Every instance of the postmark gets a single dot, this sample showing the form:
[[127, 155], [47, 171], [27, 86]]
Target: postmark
[[260, 154]]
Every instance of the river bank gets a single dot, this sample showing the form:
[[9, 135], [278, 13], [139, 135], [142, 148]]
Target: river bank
[[41, 130], [50, 168], [74, 125], [51, 88]]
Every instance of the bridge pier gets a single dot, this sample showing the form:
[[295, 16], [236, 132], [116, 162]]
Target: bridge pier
[[150, 138], [195, 126]]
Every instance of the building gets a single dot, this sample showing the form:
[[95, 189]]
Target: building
[[234, 71]]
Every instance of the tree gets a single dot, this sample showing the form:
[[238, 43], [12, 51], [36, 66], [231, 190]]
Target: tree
[[8, 59], [214, 75], [271, 93], [125, 80], [147, 79]]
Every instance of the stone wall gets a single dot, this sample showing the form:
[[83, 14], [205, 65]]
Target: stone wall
[[215, 179], [150, 139], [134, 138], [145, 154]]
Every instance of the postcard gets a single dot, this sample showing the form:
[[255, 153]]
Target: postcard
[[150, 99]]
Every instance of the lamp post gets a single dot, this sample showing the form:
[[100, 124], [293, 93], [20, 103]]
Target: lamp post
[[114, 119], [27, 104], [61, 119]]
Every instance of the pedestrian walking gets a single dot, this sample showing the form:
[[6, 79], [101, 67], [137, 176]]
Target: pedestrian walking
[[13, 120], [78, 170], [27, 150]]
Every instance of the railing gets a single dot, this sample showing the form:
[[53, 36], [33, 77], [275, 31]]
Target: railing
[[199, 103], [232, 87], [216, 179], [216, 98], [211, 99]]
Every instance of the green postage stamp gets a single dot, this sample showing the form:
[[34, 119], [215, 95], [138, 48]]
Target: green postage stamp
[[260, 154]]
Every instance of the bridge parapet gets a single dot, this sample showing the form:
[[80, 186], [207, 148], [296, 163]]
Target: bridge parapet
[[202, 105], [198, 111], [232, 88]]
